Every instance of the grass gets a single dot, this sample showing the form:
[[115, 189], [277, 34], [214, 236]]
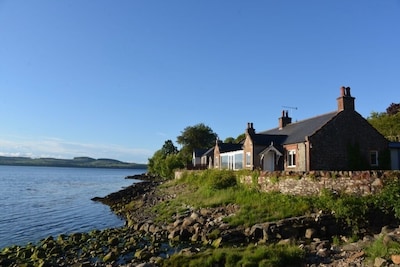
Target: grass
[[216, 188], [383, 247], [262, 255], [213, 188]]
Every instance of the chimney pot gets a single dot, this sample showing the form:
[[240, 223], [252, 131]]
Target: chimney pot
[[348, 91], [285, 119], [342, 91]]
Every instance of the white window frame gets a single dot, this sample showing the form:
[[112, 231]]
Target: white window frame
[[291, 158], [231, 164], [248, 159], [373, 158]]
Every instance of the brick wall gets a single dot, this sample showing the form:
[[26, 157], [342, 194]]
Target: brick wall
[[348, 150]]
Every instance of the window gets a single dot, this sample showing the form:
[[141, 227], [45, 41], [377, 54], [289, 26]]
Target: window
[[238, 161], [248, 159], [291, 158], [224, 162], [373, 157], [216, 162], [232, 160]]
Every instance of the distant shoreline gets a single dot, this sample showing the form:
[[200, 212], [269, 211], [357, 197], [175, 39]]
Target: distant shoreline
[[77, 162]]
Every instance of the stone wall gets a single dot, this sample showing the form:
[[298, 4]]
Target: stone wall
[[312, 183]]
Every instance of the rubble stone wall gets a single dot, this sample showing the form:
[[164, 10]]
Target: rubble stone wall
[[312, 183]]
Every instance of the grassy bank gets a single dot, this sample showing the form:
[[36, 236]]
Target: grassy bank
[[213, 188], [210, 189], [216, 188]]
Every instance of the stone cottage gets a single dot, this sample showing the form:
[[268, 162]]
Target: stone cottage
[[339, 140]]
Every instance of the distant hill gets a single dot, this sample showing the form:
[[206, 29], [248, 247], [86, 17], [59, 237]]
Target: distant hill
[[81, 162]]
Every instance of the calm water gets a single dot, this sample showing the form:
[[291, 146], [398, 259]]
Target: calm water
[[36, 202]]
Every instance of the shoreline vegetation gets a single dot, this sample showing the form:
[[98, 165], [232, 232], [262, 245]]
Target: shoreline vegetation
[[77, 162], [210, 219]]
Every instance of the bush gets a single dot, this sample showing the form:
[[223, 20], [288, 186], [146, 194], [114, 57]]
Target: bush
[[212, 179], [388, 199], [350, 209]]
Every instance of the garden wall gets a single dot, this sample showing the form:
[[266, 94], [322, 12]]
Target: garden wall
[[312, 183]]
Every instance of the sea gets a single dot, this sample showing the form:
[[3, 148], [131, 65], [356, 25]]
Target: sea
[[36, 202]]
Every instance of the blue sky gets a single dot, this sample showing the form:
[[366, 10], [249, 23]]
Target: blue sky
[[116, 79]]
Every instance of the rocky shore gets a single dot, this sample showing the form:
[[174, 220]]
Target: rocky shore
[[146, 240]]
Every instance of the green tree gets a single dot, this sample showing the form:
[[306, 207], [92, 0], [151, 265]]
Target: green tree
[[229, 140], [197, 136], [393, 109], [236, 140], [165, 161], [387, 125], [240, 138], [169, 148]]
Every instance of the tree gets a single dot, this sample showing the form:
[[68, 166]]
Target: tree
[[236, 140], [387, 125], [197, 136], [393, 109], [229, 140], [165, 161], [169, 148], [240, 138]]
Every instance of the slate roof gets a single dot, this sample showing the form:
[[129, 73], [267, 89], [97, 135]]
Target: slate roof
[[198, 152], [267, 139], [296, 132], [228, 147], [209, 152]]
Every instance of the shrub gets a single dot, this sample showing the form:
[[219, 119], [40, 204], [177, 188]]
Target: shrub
[[388, 199]]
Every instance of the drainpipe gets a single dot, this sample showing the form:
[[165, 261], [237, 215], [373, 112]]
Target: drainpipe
[[306, 154]]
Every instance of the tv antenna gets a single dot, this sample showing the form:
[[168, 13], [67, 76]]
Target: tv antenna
[[292, 108]]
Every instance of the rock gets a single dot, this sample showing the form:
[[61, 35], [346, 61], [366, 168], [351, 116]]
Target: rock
[[310, 233], [395, 259], [387, 239], [195, 238], [184, 234], [285, 242], [113, 241], [234, 236], [350, 247], [377, 183], [256, 232], [379, 262], [177, 222], [146, 264], [187, 222], [386, 229], [173, 235], [323, 252], [195, 216]]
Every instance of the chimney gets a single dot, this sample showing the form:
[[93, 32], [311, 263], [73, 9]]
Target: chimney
[[285, 119], [345, 100], [250, 130]]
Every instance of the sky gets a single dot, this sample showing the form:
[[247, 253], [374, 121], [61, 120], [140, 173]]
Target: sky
[[116, 79]]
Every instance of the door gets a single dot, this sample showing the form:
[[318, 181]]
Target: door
[[269, 161]]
